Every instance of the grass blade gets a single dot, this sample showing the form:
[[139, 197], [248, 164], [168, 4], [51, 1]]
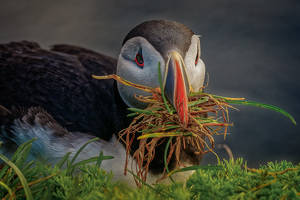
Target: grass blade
[[262, 105], [162, 134], [21, 148], [141, 111], [69, 163], [81, 148], [200, 100], [87, 161], [22, 156], [20, 175], [99, 160], [162, 90], [195, 167], [165, 157], [62, 161], [139, 179], [7, 189], [124, 82]]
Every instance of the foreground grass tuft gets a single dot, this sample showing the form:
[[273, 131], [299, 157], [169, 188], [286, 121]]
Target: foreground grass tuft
[[236, 181], [233, 180]]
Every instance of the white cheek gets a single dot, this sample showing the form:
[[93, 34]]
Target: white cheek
[[129, 70], [152, 60], [197, 78], [196, 73], [127, 93]]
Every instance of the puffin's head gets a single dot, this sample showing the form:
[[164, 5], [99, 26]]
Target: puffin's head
[[177, 49]]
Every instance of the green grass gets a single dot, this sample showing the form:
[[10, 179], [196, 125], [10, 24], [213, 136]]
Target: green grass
[[231, 180]]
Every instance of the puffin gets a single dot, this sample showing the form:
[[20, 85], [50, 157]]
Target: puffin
[[51, 95]]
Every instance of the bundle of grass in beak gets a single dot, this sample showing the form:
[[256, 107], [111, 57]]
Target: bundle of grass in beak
[[160, 122]]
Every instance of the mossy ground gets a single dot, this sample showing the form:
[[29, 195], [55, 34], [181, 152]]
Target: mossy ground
[[279, 180]]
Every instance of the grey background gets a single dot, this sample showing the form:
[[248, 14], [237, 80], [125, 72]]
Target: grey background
[[250, 48]]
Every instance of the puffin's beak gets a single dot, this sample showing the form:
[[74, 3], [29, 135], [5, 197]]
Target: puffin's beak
[[177, 87]]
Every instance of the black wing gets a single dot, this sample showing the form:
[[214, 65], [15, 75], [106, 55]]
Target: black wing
[[60, 81]]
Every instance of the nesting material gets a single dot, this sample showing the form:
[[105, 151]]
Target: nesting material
[[208, 116], [159, 121]]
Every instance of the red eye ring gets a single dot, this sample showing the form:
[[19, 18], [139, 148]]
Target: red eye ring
[[197, 58], [139, 59]]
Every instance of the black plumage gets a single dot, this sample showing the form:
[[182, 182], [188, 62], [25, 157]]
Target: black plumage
[[60, 81], [172, 36]]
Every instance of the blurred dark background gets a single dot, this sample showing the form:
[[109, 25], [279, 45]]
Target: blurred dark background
[[251, 49]]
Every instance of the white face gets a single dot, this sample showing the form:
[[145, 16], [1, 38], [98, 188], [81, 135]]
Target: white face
[[195, 67], [145, 71]]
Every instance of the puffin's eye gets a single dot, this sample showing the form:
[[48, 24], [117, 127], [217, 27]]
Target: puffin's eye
[[139, 59], [197, 57]]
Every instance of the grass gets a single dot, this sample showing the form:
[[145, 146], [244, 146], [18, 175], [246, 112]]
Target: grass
[[231, 180], [160, 123]]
